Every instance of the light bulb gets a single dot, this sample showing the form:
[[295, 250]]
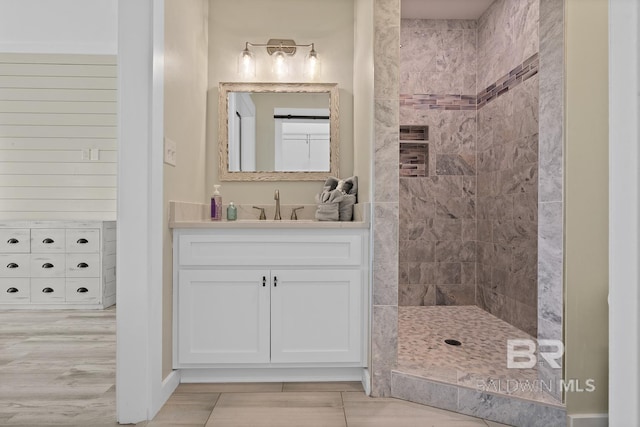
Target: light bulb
[[246, 64], [280, 66], [311, 65]]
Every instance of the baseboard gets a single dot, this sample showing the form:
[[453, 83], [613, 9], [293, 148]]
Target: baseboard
[[366, 382], [588, 420], [169, 385], [216, 375]]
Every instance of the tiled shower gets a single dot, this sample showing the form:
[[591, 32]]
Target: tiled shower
[[468, 227]]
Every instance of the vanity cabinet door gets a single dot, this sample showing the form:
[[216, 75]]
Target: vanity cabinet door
[[316, 316], [224, 316]]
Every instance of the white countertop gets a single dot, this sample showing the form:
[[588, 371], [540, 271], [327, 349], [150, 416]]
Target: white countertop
[[192, 215]]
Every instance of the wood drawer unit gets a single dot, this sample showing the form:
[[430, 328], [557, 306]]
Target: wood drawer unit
[[47, 265], [14, 290], [15, 240], [57, 264], [14, 265], [48, 290], [47, 240]]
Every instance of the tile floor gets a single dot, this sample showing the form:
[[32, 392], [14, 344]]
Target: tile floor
[[479, 363], [57, 368]]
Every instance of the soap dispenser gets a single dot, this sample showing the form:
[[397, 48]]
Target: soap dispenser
[[216, 204], [232, 212]]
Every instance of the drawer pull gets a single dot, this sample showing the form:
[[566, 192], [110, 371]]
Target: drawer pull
[[275, 281], [264, 281], [83, 265], [47, 241], [82, 290], [82, 241], [47, 290], [13, 241], [47, 265], [12, 290], [12, 265]]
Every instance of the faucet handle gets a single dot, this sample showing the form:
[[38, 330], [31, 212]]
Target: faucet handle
[[262, 214], [294, 215]]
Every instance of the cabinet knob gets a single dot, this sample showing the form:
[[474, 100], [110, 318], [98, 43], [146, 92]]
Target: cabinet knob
[[47, 290], [12, 290], [12, 265], [82, 290], [47, 265], [83, 265], [82, 241], [13, 241], [264, 281], [275, 281], [47, 241]]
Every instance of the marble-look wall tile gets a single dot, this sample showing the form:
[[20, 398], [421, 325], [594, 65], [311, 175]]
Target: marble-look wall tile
[[508, 410], [384, 333], [550, 241], [386, 158], [384, 348], [551, 177], [455, 294], [507, 35], [419, 390], [385, 254], [386, 49]]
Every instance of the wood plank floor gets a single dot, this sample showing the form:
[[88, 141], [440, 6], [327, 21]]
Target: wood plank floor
[[57, 368]]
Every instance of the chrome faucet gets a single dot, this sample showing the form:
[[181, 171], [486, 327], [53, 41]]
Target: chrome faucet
[[276, 196]]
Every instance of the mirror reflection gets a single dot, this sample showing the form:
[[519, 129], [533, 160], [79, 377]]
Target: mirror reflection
[[273, 131]]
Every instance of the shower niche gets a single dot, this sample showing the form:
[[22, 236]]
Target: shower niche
[[414, 151]]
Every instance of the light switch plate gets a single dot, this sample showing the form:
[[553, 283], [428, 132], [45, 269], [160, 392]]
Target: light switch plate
[[169, 151], [95, 154]]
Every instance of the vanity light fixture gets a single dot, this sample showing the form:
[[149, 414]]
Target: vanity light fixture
[[280, 50]]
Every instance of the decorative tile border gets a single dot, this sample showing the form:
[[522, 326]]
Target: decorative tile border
[[513, 78]]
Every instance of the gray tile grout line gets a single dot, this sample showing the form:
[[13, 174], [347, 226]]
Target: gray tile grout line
[[344, 411], [212, 409]]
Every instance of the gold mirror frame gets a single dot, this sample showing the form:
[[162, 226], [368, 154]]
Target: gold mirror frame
[[223, 131]]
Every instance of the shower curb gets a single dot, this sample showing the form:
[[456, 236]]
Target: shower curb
[[500, 408]]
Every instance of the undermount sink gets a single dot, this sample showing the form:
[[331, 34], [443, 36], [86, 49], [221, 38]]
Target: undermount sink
[[276, 220]]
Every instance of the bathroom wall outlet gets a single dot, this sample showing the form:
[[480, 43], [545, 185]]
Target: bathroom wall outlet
[[85, 154], [169, 152]]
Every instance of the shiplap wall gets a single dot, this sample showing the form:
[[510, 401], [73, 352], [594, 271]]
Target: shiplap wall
[[55, 112]]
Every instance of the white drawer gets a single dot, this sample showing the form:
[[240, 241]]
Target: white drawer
[[44, 240], [83, 290], [83, 240], [83, 265], [14, 265], [47, 265], [48, 290], [274, 250], [14, 240], [14, 290]]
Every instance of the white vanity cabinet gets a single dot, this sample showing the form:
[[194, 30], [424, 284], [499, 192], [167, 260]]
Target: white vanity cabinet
[[270, 298], [57, 264]]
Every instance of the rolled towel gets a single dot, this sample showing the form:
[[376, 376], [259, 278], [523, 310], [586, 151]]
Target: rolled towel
[[346, 207], [328, 212]]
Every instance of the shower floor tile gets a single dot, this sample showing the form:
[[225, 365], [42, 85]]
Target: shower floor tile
[[479, 363]]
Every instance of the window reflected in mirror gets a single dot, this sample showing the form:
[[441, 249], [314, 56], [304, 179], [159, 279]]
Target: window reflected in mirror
[[278, 131]]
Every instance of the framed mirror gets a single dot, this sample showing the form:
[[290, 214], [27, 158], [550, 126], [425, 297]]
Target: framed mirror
[[278, 131]]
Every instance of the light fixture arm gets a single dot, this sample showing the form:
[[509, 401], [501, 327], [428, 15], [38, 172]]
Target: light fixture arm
[[286, 46]]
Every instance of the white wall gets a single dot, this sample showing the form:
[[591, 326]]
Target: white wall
[[60, 26], [55, 111], [185, 103]]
